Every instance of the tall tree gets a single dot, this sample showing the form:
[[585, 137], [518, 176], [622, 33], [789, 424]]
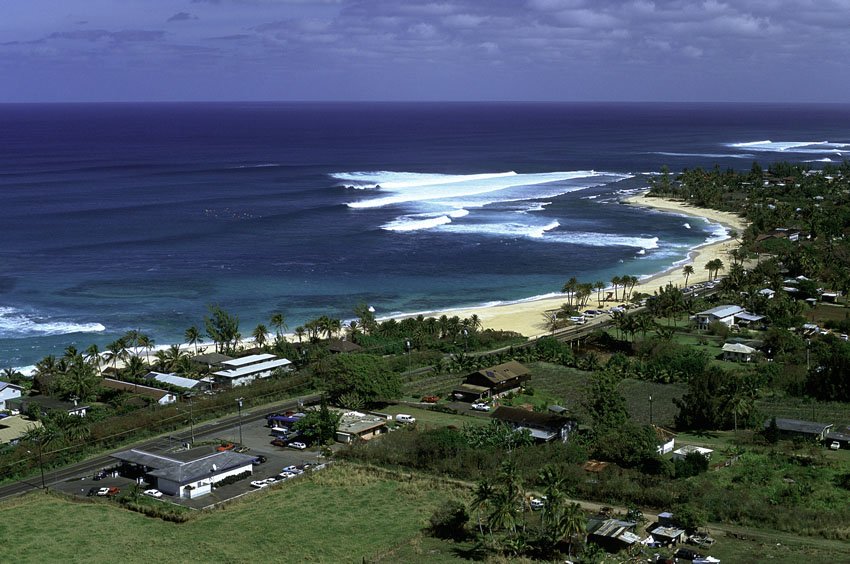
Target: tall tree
[[260, 335], [687, 270], [222, 328], [192, 335]]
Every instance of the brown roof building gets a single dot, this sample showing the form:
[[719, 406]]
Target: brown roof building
[[493, 381]]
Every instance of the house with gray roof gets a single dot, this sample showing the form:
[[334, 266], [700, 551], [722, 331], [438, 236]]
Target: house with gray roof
[[175, 380], [244, 370], [790, 428], [723, 314], [544, 427], [189, 474]]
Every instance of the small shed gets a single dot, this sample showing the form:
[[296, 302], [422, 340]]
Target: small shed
[[738, 352]]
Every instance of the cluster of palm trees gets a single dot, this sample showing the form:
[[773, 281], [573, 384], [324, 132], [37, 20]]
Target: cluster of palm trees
[[500, 506], [578, 293], [73, 375], [713, 267]]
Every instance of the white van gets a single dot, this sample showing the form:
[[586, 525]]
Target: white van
[[404, 418]]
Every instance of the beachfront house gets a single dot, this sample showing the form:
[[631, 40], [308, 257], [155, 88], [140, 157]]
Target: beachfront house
[[492, 382], [8, 391], [244, 370]]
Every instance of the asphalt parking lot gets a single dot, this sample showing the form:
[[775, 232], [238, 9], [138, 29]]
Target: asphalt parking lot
[[255, 435]]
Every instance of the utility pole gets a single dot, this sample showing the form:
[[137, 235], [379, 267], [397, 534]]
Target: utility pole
[[239, 403], [650, 410]]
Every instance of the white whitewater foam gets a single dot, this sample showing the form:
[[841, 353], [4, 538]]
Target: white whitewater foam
[[510, 229], [15, 323], [704, 155], [791, 146], [407, 187], [603, 240], [686, 225], [408, 224]]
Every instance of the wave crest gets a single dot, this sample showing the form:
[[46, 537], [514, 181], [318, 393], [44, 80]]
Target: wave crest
[[15, 323]]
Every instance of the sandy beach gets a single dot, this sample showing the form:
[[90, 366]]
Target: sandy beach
[[529, 318]]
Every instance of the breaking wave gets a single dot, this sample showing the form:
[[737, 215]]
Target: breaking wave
[[15, 323], [810, 147]]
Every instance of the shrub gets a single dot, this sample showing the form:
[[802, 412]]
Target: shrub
[[449, 520]]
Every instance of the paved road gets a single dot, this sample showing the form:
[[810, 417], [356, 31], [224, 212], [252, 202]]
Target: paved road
[[93, 464]]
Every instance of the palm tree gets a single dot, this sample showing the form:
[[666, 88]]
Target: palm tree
[[193, 337], [687, 271], [599, 285], [299, 333], [260, 333], [481, 498], [278, 321], [115, 352], [574, 524], [147, 344], [615, 281]]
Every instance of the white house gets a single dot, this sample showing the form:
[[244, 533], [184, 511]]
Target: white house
[[7, 392], [244, 370], [190, 476], [723, 314], [681, 453], [738, 352], [666, 440]]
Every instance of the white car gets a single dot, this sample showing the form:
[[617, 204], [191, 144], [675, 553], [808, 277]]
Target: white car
[[481, 406], [298, 445], [263, 483], [536, 503], [835, 445], [103, 492], [153, 493]]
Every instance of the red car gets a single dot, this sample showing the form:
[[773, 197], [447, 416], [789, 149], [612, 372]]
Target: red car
[[280, 442], [225, 446], [430, 399]]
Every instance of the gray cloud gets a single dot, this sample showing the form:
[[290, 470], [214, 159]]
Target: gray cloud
[[182, 17]]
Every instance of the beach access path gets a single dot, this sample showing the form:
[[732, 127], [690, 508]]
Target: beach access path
[[530, 318]]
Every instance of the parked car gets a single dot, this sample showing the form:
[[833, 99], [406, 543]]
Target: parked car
[[241, 449], [259, 460], [405, 418], [297, 444], [536, 503], [263, 483], [103, 492], [153, 493], [92, 492], [113, 491], [834, 445], [481, 406], [280, 442], [430, 399], [225, 446], [100, 475]]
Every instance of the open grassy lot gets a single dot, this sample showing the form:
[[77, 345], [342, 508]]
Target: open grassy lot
[[425, 418], [342, 514], [569, 386]]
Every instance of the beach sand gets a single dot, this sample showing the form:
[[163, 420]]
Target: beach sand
[[529, 318]]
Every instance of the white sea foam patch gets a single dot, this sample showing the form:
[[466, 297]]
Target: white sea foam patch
[[603, 240], [15, 323], [420, 221], [409, 187], [508, 229], [768, 146], [705, 155]]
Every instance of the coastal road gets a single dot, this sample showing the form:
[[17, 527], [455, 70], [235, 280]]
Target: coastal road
[[99, 462]]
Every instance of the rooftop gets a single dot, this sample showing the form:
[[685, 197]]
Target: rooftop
[[504, 372], [529, 418], [210, 358], [245, 360], [14, 427], [797, 426], [357, 422], [139, 389], [722, 311], [249, 369], [197, 464], [174, 380]]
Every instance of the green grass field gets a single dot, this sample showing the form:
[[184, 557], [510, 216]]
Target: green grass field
[[339, 515], [430, 419]]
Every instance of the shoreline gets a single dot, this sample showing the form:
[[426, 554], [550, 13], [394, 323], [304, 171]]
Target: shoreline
[[528, 315]]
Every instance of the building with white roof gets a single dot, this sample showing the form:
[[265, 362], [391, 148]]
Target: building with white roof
[[244, 370], [175, 380]]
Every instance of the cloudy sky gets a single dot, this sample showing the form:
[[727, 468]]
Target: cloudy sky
[[679, 50]]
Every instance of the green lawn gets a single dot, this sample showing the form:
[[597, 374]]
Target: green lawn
[[339, 515], [429, 419]]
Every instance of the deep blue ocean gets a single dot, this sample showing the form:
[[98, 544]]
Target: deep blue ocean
[[137, 216]]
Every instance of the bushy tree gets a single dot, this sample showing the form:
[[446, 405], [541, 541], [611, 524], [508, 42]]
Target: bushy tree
[[366, 375], [222, 328], [449, 520], [319, 426]]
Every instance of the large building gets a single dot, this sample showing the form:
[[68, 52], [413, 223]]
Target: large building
[[160, 396], [244, 370], [188, 474], [543, 427]]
